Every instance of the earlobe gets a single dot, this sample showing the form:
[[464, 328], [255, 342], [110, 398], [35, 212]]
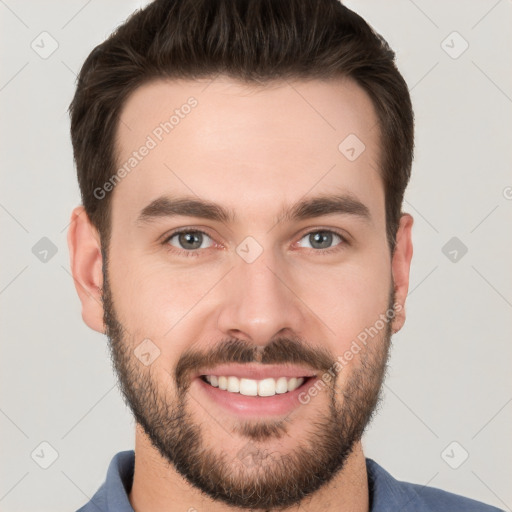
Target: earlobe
[[400, 265], [86, 267]]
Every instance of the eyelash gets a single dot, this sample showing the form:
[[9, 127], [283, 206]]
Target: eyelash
[[196, 252]]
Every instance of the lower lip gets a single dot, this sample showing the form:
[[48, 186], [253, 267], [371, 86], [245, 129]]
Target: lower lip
[[239, 404]]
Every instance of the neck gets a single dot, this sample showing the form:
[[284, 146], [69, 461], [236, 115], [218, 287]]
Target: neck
[[158, 487]]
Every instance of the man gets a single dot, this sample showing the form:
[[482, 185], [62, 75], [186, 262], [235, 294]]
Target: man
[[241, 242]]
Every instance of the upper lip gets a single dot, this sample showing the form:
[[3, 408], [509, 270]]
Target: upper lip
[[258, 371]]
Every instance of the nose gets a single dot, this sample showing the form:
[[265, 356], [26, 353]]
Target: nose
[[258, 301]]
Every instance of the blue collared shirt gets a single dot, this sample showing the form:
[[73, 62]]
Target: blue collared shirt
[[386, 493]]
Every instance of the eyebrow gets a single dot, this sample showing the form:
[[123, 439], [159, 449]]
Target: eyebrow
[[340, 204]]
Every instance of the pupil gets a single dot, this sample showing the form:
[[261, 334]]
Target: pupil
[[193, 240], [323, 238]]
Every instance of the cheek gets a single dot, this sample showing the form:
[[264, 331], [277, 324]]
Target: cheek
[[349, 298], [153, 299]]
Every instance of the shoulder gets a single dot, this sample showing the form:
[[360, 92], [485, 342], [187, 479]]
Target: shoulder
[[97, 503], [389, 494], [113, 493]]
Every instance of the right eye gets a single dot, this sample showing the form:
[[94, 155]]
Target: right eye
[[188, 240]]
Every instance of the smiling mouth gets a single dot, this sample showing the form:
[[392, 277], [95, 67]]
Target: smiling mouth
[[252, 387]]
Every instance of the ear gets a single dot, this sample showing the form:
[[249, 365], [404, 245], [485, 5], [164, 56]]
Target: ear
[[86, 267], [400, 266]]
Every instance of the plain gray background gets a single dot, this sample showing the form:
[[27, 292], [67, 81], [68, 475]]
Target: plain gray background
[[448, 394]]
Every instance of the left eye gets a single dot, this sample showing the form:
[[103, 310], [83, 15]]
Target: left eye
[[321, 239]]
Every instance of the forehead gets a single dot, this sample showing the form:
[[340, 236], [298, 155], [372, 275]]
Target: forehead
[[252, 148]]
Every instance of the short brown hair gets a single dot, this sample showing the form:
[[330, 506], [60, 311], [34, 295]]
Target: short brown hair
[[250, 40]]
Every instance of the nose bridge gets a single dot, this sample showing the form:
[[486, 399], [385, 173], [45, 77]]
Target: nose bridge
[[257, 302]]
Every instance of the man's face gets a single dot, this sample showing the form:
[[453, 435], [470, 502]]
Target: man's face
[[258, 290]]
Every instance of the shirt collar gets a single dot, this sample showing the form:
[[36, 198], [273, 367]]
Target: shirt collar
[[388, 494], [119, 482]]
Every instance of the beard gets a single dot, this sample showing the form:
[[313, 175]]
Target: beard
[[255, 478]]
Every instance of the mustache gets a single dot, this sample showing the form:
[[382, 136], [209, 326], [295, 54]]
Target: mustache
[[283, 350]]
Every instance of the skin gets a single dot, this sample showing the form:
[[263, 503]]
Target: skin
[[255, 150]]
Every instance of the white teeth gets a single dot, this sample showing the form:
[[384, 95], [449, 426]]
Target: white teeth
[[267, 387], [292, 384], [281, 385], [223, 383], [233, 385], [248, 387], [251, 387]]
